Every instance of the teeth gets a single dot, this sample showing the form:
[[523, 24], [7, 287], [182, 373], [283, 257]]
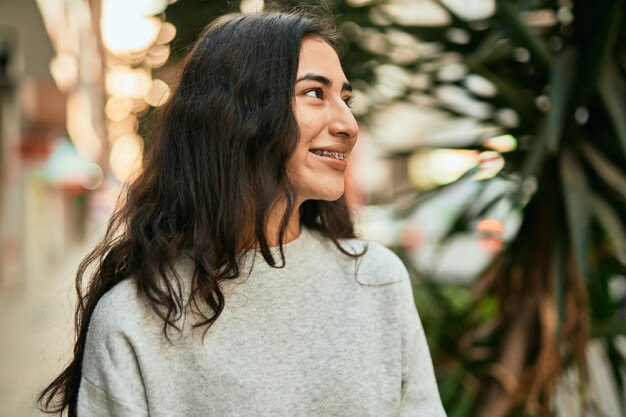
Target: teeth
[[337, 155]]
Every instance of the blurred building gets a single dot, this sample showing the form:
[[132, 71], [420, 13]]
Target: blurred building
[[45, 180]]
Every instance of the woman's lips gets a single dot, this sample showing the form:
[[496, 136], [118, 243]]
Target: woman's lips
[[331, 162]]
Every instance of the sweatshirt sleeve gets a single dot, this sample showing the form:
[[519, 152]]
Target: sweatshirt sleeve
[[420, 394], [111, 383]]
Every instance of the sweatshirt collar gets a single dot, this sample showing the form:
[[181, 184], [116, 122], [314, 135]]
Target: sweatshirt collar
[[295, 253]]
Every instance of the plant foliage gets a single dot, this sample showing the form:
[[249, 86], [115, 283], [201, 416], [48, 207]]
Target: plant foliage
[[558, 68]]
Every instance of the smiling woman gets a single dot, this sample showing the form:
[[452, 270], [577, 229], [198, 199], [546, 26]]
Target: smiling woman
[[328, 130], [230, 282]]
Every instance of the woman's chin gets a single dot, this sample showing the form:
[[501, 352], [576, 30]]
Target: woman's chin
[[331, 196], [320, 186], [326, 195]]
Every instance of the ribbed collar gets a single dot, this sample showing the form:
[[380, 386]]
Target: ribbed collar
[[296, 252]]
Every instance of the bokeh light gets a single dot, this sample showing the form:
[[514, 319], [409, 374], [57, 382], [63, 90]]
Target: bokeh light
[[125, 157], [502, 143], [491, 231], [123, 127], [64, 70], [440, 166], [157, 55], [81, 129], [124, 81], [158, 94], [118, 108], [129, 34], [251, 6], [166, 34], [490, 163]]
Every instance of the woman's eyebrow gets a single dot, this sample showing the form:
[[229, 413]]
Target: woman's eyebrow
[[324, 81]]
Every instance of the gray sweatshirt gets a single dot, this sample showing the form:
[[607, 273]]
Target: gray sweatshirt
[[324, 336]]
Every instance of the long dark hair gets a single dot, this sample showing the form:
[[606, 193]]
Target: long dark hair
[[212, 173]]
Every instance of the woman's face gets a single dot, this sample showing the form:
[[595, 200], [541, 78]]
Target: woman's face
[[328, 130]]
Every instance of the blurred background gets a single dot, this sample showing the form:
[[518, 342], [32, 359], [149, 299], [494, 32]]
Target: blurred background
[[492, 159]]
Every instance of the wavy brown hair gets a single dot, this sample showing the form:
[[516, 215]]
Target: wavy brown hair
[[211, 176]]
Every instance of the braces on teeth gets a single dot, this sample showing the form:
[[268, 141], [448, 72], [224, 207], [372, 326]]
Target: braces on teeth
[[336, 155]]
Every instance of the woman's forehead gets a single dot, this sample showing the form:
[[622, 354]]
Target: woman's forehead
[[318, 57]]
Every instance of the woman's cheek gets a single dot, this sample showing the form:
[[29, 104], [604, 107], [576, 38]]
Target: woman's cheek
[[305, 125]]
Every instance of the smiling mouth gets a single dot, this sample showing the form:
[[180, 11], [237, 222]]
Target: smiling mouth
[[335, 155]]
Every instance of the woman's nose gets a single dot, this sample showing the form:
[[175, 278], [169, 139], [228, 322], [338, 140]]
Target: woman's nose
[[342, 121]]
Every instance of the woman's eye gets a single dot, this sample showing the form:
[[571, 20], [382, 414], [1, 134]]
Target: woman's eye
[[315, 93], [348, 101]]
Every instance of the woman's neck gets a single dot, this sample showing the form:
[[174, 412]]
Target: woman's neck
[[272, 230]]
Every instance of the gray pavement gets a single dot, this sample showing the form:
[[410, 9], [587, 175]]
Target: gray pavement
[[36, 334]]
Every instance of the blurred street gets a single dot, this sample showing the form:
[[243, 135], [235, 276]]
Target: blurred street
[[36, 325]]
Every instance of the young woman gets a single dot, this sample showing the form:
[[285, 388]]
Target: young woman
[[230, 282]]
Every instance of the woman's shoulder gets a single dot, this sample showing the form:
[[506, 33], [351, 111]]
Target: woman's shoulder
[[377, 265], [119, 308], [124, 300]]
